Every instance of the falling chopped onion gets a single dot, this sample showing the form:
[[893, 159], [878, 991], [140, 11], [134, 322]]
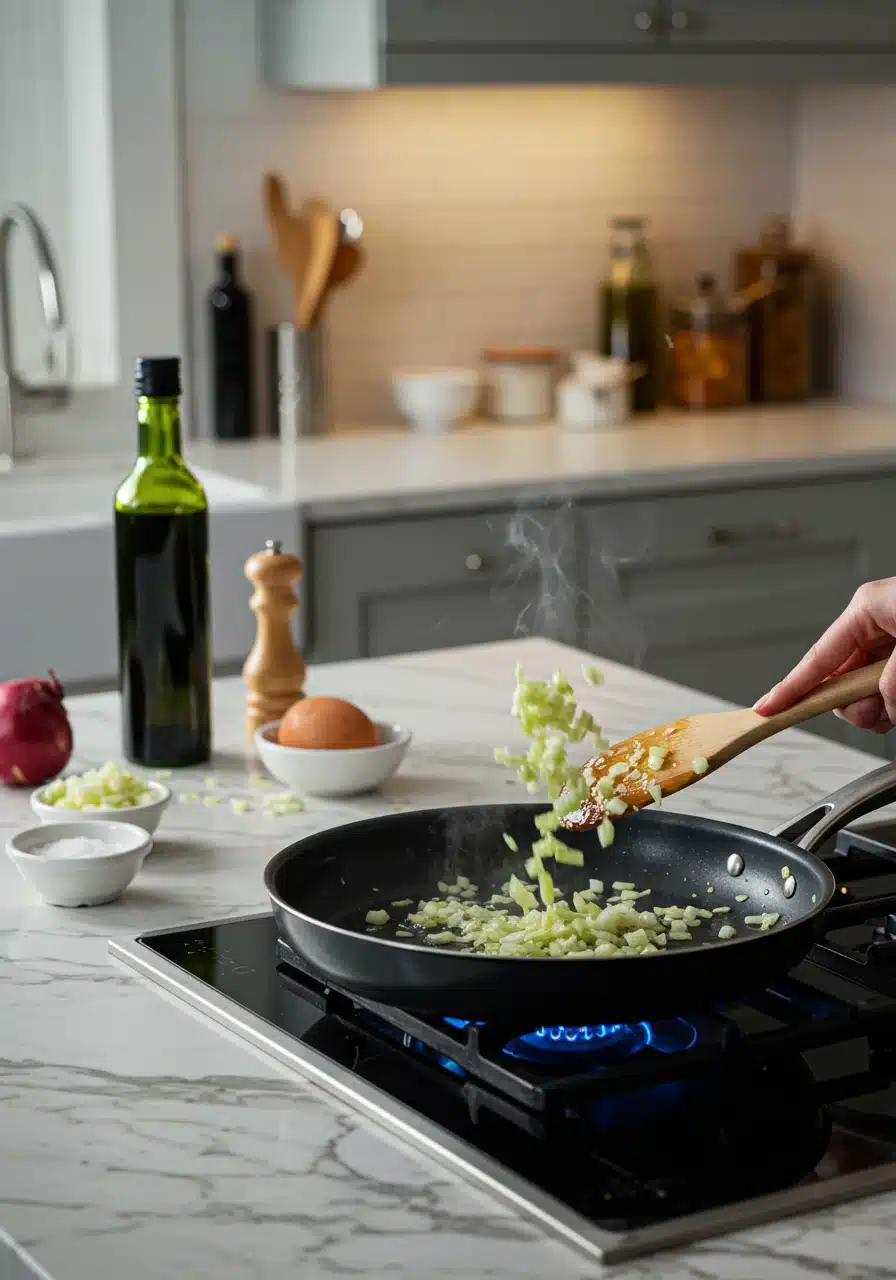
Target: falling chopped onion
[[533, 917]]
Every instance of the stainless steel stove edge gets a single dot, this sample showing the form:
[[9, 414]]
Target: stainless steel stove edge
[[553, 1217]]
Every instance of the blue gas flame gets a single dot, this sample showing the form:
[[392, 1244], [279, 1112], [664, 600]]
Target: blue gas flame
[[600, 1042]]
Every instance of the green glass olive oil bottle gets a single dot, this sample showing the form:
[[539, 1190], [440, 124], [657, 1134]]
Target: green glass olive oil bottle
[[628, 324], [161, 551]]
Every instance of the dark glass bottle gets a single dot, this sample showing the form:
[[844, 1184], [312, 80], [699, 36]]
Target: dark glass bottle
[[230, 347], [161, 549], [628, 321]]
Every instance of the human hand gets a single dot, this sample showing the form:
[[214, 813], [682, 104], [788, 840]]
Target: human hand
[[864, 633]]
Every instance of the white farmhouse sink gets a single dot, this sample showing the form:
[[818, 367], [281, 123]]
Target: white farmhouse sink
[[56, 537], [32, 500]]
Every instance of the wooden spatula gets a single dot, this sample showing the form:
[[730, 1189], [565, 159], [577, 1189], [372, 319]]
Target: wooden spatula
[[290, 235], [713, 739], [323, 230], [347, 263]]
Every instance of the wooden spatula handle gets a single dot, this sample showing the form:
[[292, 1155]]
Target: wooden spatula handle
[[839, 691]]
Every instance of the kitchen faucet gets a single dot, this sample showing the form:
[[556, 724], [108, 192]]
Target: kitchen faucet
[[14, 390]]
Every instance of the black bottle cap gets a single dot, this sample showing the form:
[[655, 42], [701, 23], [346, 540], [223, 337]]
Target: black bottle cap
[[157, 376]]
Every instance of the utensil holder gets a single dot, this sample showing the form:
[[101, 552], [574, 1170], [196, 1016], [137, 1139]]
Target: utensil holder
[[299, 382]]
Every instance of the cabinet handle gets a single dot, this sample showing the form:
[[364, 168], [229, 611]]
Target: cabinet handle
[[644, 20], [474, 562], [680, 20], [755, 535]]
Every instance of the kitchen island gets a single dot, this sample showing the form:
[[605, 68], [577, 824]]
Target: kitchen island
[[139, 1139]]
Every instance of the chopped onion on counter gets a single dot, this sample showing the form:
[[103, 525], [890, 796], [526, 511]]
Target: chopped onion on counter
[[109, 787]]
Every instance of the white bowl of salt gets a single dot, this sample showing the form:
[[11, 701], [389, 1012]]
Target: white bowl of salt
[[79, 864]]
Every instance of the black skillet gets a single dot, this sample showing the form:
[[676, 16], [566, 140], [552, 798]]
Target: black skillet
[[322, 887]]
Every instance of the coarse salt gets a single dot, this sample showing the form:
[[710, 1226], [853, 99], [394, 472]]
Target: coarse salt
[[77, 847]]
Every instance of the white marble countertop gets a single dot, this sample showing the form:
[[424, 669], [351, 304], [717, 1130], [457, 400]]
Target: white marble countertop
[[370, 472], [373, 472], [139, 1140], [55, 496]]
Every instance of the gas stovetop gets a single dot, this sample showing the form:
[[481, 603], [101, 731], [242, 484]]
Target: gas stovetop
[[621, 1139]]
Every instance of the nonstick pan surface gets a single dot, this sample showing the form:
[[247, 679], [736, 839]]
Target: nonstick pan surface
[[322, 887]]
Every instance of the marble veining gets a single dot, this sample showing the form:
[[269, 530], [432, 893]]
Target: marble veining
[[139, 1139]]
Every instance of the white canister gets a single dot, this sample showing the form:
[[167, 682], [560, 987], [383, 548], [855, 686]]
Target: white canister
[[597, 396], [521, 382]]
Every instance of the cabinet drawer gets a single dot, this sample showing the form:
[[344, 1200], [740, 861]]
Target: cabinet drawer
[[724, 590], [394, 586]]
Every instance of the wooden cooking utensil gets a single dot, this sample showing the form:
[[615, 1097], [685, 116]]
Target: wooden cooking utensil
[[323, 231], [290, 235], [274, 671], [715, 738], [348, 261]]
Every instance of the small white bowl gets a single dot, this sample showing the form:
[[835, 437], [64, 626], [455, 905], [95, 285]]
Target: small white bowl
[[346, 772], [433, 401], [148, 816], [80, 882]]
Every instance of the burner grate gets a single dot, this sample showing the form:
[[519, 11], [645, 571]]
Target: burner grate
[[807, 1009]]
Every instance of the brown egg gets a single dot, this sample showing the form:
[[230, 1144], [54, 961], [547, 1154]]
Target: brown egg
[[326, 724]]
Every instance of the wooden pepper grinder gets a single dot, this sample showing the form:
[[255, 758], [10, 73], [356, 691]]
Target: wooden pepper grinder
[[274, 671]]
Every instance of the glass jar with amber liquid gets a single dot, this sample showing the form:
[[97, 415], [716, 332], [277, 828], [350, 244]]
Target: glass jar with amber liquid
[[708, 335]]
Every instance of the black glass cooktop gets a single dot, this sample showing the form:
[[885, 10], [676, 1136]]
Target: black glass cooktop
[[627, 1126]]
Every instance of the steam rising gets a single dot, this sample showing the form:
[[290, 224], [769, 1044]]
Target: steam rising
[[547, 559], [548, 555], [545, 549]]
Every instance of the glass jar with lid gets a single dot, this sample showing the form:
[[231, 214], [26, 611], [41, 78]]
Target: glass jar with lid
[[521, 382], [708, 335]]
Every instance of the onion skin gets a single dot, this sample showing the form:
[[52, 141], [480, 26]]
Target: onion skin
[[35, 733]]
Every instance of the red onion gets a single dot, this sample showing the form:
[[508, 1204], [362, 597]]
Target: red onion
[[35, 734]]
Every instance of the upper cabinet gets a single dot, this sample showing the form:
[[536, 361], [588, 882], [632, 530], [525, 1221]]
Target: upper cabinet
[[515, 23], [364, 44], [808, 26]]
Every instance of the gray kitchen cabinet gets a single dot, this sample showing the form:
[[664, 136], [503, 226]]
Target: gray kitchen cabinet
[[365, 44], [69, 583], [380, 587], [724, 591], [517, 23], [808, 25]]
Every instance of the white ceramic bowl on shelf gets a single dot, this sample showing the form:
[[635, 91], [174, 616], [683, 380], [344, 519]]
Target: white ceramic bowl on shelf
[[147, 816], [80, 882], [434, 400], [341, 772]]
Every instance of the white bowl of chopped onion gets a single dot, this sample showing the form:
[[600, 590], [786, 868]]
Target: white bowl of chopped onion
[[346, 771], [78, 863], [109, 793]]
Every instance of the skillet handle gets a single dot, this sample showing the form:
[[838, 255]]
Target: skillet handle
[[810, 829]]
